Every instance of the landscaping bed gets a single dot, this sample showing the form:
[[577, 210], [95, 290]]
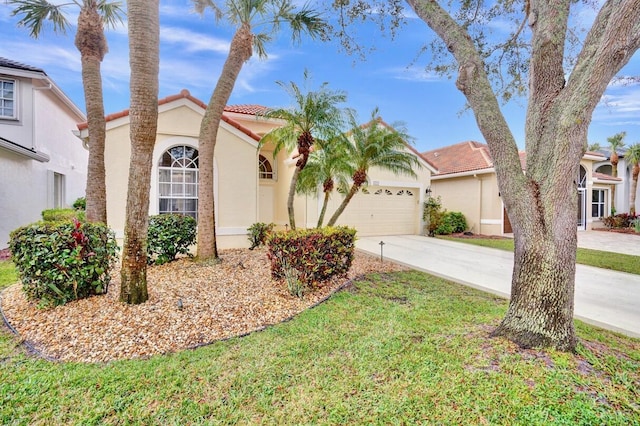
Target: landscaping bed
[[190, 304]]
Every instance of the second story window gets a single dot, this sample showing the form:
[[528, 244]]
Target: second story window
[[7, 99]]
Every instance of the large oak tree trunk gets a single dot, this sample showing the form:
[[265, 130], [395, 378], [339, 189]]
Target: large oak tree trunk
[[240, 51], [144, 58], [541, 202], [92, 44]]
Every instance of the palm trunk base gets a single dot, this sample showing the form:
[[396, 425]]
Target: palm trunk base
[[134, 291]]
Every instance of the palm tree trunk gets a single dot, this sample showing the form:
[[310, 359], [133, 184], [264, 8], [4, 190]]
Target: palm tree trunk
[[96, 192], [614, 173], [92, 44], [352, 191], [239, 52], [324, 208], [634, 189], [144, 58], [290, 198]]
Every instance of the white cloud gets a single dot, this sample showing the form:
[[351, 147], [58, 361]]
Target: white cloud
[[192, 41], [412, 74], [619, 108]]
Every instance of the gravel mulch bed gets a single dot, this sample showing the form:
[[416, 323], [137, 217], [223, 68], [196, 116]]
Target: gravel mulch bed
[[232, 298]]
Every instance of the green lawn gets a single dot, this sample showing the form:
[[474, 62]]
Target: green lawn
[[600, 259], [403, 348]]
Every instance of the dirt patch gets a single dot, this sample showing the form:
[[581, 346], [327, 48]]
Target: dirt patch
[[5, 254], [190, 305]]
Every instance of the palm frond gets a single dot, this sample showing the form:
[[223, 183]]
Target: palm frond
[[200, 6], [112, 12], [35, 13]]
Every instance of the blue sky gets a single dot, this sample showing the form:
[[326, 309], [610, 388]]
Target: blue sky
[[193, 49]]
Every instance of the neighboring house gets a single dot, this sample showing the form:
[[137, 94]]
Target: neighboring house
[[250, 184], [623, 189], [466, 182], [42, 164]]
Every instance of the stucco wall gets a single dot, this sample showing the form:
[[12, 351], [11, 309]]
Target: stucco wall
[[45, 124], [235, 172]]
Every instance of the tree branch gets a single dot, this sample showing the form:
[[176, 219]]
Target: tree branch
[[474, 83]]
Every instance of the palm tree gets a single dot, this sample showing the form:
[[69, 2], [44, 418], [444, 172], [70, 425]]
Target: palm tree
[[325, 167], [615, 142], [595, 146], [92, 44], [315, 115], [144, 60], [633, 158], [376, 145], [246, 15]]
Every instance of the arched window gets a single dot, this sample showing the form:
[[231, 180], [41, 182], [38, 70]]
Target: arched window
[[178, 181], [264, 168]]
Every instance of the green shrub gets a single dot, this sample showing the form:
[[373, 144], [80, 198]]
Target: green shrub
[[451, 222], [80, 204], [59, 215], [168, 236], [258, 233], [63, 261], [317, 254]]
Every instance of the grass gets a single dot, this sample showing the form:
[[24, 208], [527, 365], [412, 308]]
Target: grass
[[600, 259], [401, 348]]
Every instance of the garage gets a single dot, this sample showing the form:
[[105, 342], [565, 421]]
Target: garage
[[381, 210]]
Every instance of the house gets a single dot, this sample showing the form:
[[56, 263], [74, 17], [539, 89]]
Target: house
[[251, 183], [623, 189], [466, 182], [42, 164]]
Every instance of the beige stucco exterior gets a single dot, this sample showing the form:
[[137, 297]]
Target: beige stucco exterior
[[241, 196], [476, 195]]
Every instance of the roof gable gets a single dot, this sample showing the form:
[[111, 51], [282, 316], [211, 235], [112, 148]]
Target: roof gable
[[186, 95]]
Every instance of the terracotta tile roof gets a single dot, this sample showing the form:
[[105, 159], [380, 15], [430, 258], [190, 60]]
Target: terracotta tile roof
[[461, 157], [8, 63], [185, 94], [246, 109], [603, 176]]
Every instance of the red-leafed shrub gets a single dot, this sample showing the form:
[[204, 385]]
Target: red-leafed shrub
[[316, 254], [622, 220]]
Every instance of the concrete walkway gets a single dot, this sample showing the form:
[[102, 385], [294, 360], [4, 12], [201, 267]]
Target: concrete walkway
[[609, 241], [604, 298]]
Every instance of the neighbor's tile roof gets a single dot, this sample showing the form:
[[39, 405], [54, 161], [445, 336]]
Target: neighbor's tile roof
[[185, 94], [246, 109], [8, 63], [603, 176], [461, 157]]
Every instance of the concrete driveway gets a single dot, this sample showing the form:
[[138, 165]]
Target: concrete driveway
[[604, 298]]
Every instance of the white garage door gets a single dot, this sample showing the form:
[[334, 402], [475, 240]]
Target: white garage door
[[379, 210]]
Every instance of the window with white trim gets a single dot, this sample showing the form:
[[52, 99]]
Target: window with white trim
[[7, 98], [598, 202], [58, 190], [178, 181], [264, 168]]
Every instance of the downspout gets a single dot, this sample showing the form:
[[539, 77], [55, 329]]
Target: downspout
[[479, 203]]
